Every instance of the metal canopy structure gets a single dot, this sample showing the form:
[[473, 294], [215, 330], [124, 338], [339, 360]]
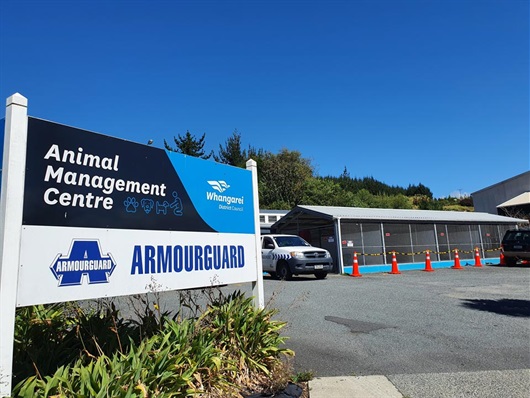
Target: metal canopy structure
[[372, 233], [316, 214], [303, 215], [308, 217]]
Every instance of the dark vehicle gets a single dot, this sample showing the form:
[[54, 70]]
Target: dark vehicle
[[516, 245]]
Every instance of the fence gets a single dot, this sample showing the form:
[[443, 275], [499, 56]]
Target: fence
[[375, 242]]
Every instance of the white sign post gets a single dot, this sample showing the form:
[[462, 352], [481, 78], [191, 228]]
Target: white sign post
[[11, 202], [257, 287]]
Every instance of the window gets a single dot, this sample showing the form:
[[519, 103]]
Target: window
[[261, 218], [288, 241], [267, 242], [273, 218]]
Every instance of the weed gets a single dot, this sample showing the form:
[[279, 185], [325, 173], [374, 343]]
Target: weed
[[302, 377]]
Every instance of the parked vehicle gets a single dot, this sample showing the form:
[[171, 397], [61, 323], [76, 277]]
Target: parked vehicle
[[287, 255], [516, 245]]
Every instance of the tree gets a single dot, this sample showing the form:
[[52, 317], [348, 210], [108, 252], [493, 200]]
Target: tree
[[189, 145], [423, 202], [232, 153], [321, 192], [365, 199], [420, 189], [398, 201], [282, 179]]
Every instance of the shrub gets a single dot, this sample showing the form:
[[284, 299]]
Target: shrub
[[230, 347]]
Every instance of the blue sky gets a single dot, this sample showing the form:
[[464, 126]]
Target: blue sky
[[406, 91]]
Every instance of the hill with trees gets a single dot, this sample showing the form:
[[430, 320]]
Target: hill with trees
[[287, 179]]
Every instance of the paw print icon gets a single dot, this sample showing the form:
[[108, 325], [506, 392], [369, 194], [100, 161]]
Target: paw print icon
[[131, 204]]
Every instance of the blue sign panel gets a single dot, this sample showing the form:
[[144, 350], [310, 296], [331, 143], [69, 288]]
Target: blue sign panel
[[222, 195]]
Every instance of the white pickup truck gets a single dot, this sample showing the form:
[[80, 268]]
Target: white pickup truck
[[286, 255]]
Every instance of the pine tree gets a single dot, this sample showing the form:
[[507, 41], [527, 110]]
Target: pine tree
[[189, 145], [232, 153]]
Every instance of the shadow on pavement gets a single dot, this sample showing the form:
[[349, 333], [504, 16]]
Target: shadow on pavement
[[518, 265], [510, 307]]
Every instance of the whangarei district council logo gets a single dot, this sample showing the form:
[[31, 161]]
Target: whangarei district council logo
[[219, 186], [84, 259]]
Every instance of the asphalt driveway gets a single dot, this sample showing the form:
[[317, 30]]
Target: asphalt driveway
[[475, 319]]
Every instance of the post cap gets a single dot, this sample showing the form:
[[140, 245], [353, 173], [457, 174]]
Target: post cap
[[17, 99]]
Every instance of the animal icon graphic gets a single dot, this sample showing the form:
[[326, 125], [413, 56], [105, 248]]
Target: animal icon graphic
[[147, 205], [176, 205], [130, 204]]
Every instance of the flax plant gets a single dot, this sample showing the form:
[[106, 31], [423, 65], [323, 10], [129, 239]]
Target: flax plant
[[231, 347]]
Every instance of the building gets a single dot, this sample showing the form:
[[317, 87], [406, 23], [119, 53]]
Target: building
[[509, 197], [269, 217], [375, 233]]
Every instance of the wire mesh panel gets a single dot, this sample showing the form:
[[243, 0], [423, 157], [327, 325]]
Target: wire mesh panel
[[372, 244], [443, 242], [423, 238], [459, 238], [503, 228], [474, 232], [409, 241], [397, 238], [491, 240], [352, 241]]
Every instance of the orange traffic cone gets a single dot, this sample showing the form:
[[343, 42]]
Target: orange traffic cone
[[477, 258], [428, 266], [502, 261], [457, 261], [355, 270], [395, 270]]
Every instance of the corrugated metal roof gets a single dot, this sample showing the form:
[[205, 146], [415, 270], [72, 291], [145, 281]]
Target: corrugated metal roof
[[358, 213]]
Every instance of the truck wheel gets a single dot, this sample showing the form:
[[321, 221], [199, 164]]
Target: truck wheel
[[321, 275], [283, 272], [510, 261]]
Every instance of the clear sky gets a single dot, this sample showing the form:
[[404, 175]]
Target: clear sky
[[406, 91]]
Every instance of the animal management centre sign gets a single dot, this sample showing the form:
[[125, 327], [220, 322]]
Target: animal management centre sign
[[101, 216], [111, 215]]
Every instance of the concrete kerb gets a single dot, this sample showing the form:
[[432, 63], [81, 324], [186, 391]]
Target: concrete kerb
[[476, 384], [353, 386]]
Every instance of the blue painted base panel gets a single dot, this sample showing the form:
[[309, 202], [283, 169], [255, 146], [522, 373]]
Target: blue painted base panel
[[372, 269]]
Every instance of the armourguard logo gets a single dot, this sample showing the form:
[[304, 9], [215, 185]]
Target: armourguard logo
[[84, 258]]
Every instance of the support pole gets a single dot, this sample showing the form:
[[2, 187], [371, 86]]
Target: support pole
[[257, 287], [338, 245], [11, 205]]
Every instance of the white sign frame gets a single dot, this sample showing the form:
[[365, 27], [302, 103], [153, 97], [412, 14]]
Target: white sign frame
[[13, 290]]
